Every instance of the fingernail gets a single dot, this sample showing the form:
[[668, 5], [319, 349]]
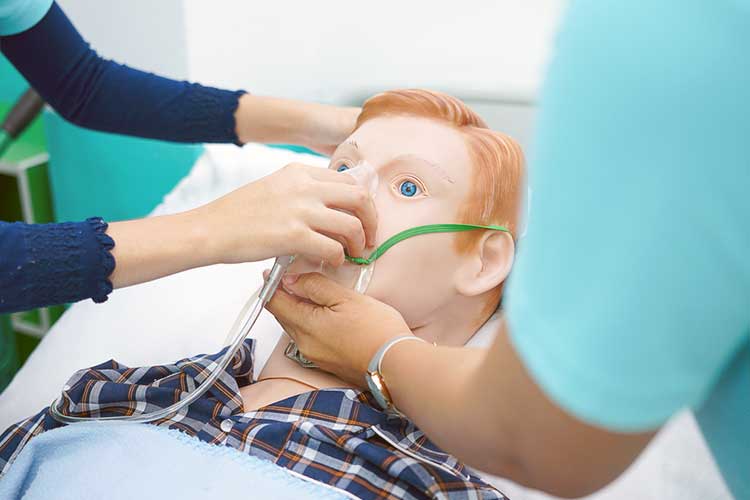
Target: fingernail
[[290, 279]]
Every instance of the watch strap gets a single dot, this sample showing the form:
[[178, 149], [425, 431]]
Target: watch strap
[[374, 371]]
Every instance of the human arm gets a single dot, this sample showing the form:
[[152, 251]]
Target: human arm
[[271, 120], [101, 94], [629, 296], [297, 210], [45, 264], [516, 430]]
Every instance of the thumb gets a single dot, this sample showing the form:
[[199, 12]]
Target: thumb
[[289, 309], [318, 289]]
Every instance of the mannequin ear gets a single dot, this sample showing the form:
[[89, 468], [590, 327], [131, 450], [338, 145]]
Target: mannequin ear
[[487, 265]]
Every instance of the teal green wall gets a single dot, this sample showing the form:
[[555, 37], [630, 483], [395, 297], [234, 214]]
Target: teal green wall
[[12, 83], [106, 175], [110, 176]]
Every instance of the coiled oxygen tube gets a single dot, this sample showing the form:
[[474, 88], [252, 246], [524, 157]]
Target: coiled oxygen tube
[[239, 332]]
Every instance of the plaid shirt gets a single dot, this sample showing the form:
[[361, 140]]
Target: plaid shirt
[[338, 437]]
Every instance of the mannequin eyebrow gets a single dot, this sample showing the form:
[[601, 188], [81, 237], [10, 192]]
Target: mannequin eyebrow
[[350, 145], [437, 168]]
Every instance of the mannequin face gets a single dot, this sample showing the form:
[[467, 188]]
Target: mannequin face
[[424, 175]]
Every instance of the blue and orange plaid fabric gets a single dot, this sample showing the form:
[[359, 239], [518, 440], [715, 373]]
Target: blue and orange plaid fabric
[[338, 437]]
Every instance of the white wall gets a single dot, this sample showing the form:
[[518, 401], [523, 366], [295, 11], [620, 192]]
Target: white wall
[[332, 51], [149, 35], [338, 51], [343, 51]]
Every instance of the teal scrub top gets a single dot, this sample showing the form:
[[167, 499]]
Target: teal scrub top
[[630, 298], [19, 15]]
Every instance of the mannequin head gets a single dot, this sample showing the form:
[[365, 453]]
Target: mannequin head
[[437, 162]]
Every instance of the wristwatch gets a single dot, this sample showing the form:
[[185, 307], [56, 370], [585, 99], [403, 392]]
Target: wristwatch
[[374, 376]]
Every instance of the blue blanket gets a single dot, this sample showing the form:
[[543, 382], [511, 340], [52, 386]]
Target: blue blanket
[[126, 461]]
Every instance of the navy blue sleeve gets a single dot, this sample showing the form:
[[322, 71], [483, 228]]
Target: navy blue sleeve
[[100, 94], [46, 264]]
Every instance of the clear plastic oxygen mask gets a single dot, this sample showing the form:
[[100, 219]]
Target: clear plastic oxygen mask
[[349, 274]]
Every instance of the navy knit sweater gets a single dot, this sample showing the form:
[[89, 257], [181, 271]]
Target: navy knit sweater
[[46, 264]]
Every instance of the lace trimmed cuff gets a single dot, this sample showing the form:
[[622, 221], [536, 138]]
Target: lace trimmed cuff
[[211, 111], [101, 285], [66, 262]]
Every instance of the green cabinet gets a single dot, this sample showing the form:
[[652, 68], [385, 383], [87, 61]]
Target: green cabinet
[[8, 352], [24, 196]]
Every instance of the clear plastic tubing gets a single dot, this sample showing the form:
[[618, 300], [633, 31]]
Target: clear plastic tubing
[[366, 176], [239, 331]]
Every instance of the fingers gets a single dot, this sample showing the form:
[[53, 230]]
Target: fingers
[[338, 193], [319, 290], [356, 200], [328, 175], [343, 227], [288, 310], [323, 247], [299, 171]]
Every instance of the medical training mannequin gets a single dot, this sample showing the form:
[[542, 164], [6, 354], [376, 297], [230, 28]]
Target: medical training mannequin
[[436, 162]]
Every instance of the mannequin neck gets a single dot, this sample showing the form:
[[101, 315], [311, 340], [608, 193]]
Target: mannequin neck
[[455, 322], [451, 324]]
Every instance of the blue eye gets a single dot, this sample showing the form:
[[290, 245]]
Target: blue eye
[[342, 168], [408, 189]]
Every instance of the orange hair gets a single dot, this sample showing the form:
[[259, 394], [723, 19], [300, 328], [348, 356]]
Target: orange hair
[[497, 159]]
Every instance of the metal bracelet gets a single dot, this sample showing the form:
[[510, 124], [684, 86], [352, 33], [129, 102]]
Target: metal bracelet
[[377, 359]]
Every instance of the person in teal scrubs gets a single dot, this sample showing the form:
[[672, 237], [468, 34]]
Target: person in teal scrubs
[[630, 299], [19, 15]]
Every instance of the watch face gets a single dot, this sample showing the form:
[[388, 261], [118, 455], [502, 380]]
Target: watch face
[[375, 383]]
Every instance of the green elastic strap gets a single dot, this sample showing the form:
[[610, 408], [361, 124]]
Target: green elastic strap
[[416, 231]]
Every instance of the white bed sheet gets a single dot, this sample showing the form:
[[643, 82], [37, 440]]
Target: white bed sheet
[[191, 312]]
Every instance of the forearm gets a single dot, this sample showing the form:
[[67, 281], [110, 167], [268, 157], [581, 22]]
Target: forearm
[[274, 120], [269, 120], [151, 248], [98, 93], [437, 388], [486, 409]]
